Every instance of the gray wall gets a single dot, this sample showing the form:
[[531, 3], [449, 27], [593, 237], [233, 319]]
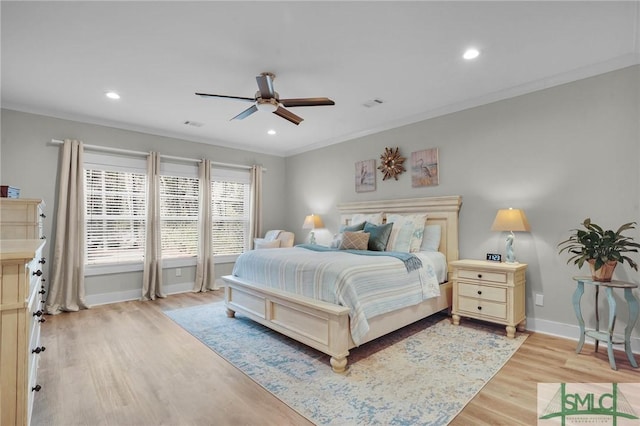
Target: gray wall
[[561, 154], [30, 162]]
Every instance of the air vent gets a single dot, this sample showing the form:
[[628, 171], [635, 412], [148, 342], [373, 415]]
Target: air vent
[[193, 123], [373, 102]]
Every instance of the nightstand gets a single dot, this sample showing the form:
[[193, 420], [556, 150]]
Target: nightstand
[[489, 291]]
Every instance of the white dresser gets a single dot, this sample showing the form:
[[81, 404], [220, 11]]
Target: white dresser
[[22, 295], [21, 313]]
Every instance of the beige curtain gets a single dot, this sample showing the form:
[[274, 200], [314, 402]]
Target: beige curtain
[[66, 289], [255, 218], [152, 274], [205, 277]]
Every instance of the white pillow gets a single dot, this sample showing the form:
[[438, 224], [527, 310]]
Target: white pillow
[[375, 218], [431, 238], [407, 232], [272, 235], [261, 243], [337, 240]]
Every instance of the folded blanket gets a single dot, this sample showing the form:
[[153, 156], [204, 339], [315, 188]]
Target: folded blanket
[[410, 260]]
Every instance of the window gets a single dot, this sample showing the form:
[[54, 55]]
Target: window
[[230, 211], [179, 194], [115, 216], [116, 206]]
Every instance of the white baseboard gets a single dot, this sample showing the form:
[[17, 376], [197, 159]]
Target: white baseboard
[[570, 331], [127, 295]]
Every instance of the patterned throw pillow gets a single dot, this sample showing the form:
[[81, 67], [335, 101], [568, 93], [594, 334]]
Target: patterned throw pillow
[[354, 240], [408, 230], [379, 235], [337, 240]]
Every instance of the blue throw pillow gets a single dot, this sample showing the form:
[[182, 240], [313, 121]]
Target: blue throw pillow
[[378, 235], [352, 228]]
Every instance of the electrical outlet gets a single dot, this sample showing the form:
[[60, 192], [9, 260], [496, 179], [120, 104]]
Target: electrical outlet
[[178, 272], [539, 299]]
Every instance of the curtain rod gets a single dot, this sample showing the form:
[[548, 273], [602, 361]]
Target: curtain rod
[[144, 154]]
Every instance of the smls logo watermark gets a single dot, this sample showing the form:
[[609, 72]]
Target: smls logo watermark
[[616, 404]]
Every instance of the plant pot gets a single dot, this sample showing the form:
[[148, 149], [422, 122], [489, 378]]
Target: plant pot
[[605, 272]]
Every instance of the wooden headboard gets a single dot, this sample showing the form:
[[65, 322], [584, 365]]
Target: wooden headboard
[[441, 211]]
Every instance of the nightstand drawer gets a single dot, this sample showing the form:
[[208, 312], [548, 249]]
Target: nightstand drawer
[[496, 277], [482, 308], [483, 292]]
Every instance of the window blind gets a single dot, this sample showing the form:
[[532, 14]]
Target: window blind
[[230, 204], [115, 216], [179, 216]]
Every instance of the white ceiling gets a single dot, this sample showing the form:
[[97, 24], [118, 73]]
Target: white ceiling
[[59, 58]]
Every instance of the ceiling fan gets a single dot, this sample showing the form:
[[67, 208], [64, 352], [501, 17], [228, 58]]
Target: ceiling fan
[[269, 100]]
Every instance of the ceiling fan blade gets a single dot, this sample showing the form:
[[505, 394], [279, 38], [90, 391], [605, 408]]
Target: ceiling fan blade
[[247, 112], [306, 102], [265, 84], [241, 98], [288, 115]]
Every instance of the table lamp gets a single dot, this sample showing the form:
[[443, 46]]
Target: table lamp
[[510, 220], [312, 222]]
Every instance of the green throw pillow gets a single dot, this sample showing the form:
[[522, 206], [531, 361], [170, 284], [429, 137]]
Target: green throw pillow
[[353, 228], [379, 235]]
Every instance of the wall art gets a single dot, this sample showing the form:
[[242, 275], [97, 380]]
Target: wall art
[[365, 176], [425, 168]]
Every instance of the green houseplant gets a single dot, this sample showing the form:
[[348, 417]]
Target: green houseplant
[[601, 249]]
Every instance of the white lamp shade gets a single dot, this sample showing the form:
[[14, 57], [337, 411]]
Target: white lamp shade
[[312, 222], [511, 220]]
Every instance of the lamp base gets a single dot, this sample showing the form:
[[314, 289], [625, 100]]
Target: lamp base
[[312, 237], [510, 255]]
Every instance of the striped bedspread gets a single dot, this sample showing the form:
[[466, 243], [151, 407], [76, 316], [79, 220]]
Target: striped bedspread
[[367, 285]]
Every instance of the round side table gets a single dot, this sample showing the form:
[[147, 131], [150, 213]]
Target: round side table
[[607, 336]]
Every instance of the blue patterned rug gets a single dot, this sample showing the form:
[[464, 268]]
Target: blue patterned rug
[[423, 374]]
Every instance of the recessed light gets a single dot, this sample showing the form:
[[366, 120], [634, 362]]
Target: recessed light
[[271, 132], [471, 54], [112, 95]]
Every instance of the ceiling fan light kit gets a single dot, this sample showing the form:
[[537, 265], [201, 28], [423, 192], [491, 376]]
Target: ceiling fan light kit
[[267, 99], [268, 105]]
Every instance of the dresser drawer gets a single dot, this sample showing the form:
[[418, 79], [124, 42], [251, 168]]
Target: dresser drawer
[[484, 292], [35, 348], [482, 308], [471, 274], [34, 313], [34, 274]]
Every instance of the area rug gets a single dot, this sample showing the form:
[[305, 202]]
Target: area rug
[[423, 374]]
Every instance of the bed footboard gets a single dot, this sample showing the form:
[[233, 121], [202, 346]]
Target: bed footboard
[[320, 325]]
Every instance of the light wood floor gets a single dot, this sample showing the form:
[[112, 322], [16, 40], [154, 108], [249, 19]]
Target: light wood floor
[[129, 364]]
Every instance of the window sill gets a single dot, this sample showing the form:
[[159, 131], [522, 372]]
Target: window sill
[[112, 269], [120, 268]]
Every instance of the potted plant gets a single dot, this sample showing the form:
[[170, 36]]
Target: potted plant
[[601, 249]]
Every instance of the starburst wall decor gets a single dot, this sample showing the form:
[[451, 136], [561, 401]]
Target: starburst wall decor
[[392, 163]]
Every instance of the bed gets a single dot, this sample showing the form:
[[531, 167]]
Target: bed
[[326, 326]]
